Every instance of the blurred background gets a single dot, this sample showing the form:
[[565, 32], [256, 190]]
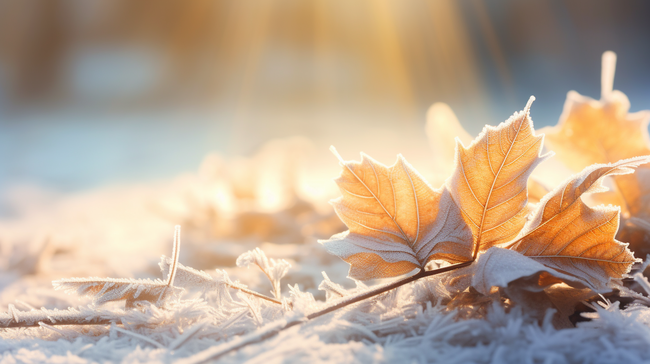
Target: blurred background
[[103, 92]]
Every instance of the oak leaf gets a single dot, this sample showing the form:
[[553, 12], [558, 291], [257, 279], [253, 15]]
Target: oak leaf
[[490, 181], [603, 131], [396, 221]]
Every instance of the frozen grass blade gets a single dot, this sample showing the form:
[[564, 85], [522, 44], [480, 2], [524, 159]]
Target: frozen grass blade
[[175, 254]]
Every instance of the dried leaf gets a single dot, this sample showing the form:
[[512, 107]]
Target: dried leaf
[[490, 181], [569, 236], [603, 131], [396, 221]]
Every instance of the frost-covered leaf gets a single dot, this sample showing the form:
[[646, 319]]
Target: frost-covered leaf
[[566, 234], [274, 269], [396, 221], [603, 131], [499, 267], [103, 290], [526, 283], [490, 181], [566, 238], [442, 130]]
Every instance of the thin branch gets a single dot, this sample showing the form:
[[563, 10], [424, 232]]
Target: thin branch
[[276, 327]]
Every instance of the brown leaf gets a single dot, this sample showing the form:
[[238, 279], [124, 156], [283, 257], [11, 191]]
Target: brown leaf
[[603, 131], [396, 221], [490, 181], [565, 234]]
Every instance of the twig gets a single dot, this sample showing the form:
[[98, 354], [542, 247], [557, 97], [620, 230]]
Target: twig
[[276, 327]]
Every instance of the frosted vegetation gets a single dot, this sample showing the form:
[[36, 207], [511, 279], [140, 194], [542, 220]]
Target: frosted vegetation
[[515, 258]]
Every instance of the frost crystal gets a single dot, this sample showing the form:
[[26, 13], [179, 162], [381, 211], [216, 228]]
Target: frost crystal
[[274, 269]]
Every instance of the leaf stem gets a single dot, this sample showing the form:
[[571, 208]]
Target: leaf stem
[[272, 330]]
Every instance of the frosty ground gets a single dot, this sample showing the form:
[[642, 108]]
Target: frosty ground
[[121, 232]]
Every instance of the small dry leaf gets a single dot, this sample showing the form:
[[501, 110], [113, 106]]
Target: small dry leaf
[[490, 181], [396, 221], [603, 131]]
